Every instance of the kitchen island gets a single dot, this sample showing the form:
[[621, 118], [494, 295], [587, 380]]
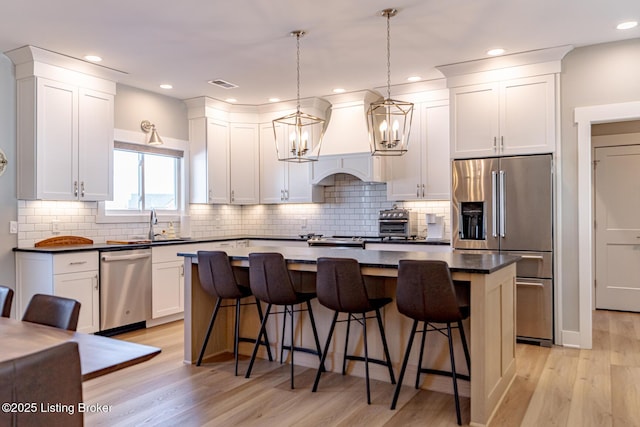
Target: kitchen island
[[491, 327]]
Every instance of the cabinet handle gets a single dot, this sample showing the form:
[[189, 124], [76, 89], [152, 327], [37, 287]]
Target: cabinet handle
[[77, 262], [281, 195], [502, 143], [417, 190], [82, 189], [422, 190], [233, 195], [210, 198], [75, 188], [286, 194], [96, 287], [182, 270], [495, 144]]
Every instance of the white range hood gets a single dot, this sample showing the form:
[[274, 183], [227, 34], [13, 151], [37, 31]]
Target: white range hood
[[345, 145]]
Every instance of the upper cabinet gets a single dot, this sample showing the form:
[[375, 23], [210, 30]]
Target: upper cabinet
[[423, 172], [504, 118], [244, 163], [65, 130], [505, 105]]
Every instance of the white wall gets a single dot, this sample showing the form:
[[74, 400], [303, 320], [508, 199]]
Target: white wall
[[594, 75], [8, 202]]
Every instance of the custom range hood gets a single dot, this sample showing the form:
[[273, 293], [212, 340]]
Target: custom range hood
[[345, 145]]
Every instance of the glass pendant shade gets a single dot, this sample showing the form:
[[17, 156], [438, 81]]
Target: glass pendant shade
[[298, 136]]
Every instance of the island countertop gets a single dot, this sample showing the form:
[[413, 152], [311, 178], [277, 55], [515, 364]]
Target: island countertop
[[458, 262]]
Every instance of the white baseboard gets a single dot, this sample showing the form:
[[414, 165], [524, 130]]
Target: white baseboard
[[166, 319]]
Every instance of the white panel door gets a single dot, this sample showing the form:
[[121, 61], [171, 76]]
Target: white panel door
[[82, 287], [617, 203], [474, 116], [272, 171], [244, 164], [217, 161]]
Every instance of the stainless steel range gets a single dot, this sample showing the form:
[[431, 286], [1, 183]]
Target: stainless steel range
[[397, 222]]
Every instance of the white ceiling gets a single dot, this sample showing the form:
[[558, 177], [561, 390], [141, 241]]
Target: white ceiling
[[188, 42]]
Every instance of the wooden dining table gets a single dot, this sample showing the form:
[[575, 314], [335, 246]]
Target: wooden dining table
[[98, 355]]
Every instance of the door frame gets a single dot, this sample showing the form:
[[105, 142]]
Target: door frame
[[584, 117]]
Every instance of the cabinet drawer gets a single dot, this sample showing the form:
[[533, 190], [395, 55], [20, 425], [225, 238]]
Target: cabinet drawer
[[75, 262]]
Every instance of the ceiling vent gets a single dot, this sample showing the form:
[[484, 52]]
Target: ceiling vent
[[222, 83]]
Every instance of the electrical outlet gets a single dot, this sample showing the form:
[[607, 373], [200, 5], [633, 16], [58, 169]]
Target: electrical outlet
[[13, 227], [55, 226]]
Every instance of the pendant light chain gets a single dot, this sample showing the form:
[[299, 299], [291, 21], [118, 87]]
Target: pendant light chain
[[388, 56], [298, 34]]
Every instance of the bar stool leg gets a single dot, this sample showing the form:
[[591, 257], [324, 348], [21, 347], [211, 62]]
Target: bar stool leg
[[324, 353], [385, 346], [260, 334], [292, 350], [465, 346], [424, 339], [206, 338], [366, 356], [236, 335], [315, 334], [284, 328], [404, 364], [266, 338], [346, 344], [453, 374]]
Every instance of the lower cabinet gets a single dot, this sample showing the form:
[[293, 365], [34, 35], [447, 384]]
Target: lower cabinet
[[70, 275]]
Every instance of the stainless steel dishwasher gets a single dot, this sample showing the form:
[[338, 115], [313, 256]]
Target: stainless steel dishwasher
[[125, 289]]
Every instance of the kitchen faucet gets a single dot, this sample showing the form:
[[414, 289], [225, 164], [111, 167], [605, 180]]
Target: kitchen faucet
[[152, 221]]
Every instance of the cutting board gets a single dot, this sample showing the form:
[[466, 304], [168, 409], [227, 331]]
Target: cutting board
[[128, 242], [63, 241]]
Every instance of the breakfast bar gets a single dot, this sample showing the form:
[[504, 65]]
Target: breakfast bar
[[491, 327]]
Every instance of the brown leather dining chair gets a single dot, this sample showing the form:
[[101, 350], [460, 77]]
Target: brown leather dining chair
[[38, 380], [53, 311], [426, 293], [218, 280], [6, 298]]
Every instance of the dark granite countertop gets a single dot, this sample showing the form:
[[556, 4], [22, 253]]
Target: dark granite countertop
[[120, 247], [458, 262]]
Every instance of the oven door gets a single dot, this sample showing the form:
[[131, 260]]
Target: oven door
[[393, 228]]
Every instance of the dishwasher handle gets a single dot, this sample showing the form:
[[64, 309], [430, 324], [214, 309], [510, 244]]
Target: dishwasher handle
[[107, 258]]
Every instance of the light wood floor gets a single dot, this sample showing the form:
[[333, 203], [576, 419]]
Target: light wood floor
[[553, 387]]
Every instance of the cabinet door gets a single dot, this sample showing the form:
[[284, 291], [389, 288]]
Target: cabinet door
[[527, 115], [95, 147], [217, 161], [83, 287], [244, 164], [167, 288], [298, 187], [474, 119], [405, 172], [56, 140], [272, 171], [437, 167]]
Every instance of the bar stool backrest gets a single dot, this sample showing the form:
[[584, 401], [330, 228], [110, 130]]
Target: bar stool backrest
[[6, 298], [216, 275], [425, 291], [340, 286], [270, 280]]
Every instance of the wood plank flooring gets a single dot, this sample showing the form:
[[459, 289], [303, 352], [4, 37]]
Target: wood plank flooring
[[553, 387]]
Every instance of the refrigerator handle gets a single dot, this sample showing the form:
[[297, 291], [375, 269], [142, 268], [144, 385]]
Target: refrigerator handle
[[494, 203], [503, 203]]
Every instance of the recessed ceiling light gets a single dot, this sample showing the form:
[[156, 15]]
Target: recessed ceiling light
[[166, 86], [338, 90], [231, 100], [627, 25], [93, 58], [495, 52], [274, 99], [414, 78]]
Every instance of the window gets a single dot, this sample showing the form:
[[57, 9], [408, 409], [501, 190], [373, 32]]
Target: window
[[144, 178]]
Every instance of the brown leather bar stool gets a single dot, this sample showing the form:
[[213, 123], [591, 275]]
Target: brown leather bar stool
[[53, 311], [270, 282], [6, 298], [217, 279], [341, 288], [426, 293]]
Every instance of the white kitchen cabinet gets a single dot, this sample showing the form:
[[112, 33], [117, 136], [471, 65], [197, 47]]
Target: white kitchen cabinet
[[423, 173], [244, 166], [504, 118], [209, 165], [65, 141], [284, 182], [71, 275]]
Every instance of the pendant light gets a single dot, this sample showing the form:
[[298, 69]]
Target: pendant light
[[298, 136], [389, 121]]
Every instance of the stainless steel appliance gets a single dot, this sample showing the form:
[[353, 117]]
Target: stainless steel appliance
[[337, 242], [397, 222], [125, 289], [505, 204]]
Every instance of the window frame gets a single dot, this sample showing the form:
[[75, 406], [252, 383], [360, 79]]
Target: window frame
[[120, 216]]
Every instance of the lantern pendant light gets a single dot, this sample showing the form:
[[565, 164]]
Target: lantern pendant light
[[298, 136], [389, 121]]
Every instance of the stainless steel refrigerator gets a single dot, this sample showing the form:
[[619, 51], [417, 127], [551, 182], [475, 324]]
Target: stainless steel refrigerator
[[505, 204]]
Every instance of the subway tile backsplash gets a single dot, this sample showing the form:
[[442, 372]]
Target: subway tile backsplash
[[351, 208]]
